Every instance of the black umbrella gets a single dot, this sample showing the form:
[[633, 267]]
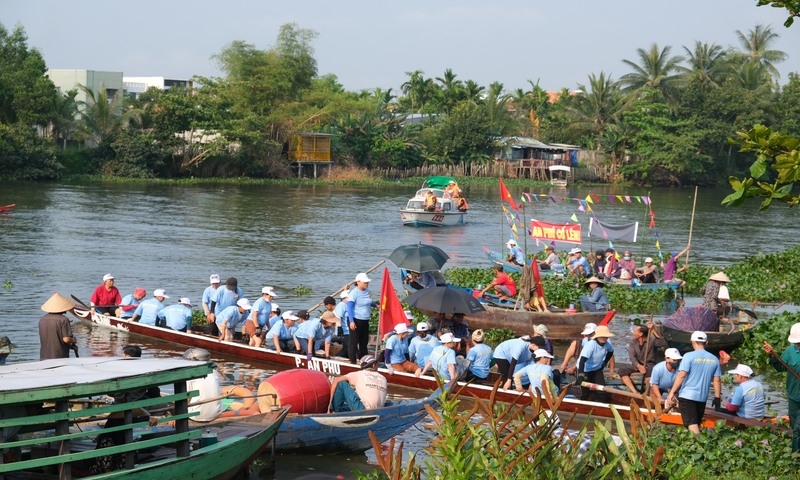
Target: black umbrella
[[419, 257], [445, 300]]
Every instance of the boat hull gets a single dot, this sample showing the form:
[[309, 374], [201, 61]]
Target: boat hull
[[414, 218], [716, 340], [335, 367], [560, 326]]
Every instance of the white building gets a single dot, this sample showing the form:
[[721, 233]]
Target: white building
[[135, 86], [66, 80]]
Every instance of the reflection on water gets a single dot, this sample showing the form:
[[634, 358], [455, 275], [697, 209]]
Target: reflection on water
[[65, 237]]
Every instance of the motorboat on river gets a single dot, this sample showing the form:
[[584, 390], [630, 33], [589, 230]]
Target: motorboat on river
[[446, 213]]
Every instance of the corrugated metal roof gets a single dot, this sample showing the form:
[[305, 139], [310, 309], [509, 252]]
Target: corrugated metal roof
[[527, 142]]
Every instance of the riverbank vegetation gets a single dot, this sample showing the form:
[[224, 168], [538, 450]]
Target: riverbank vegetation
[[666, 121], [488, 439]]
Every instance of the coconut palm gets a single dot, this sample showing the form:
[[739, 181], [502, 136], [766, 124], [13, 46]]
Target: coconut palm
[[657, 69], [596, 108], [418, 88], [102, 118], [705, 65], [756, 47]]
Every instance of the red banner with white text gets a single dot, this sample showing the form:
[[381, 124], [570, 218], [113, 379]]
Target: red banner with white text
[[556, 232]]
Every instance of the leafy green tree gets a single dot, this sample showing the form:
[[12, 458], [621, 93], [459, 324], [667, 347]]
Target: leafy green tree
[[25, 155], [788, 114], [464, 136], [665, 149], [26, 94], [774, 172], [418, 89], [792, 6], [65, 112]]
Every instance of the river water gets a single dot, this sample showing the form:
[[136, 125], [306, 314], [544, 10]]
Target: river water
[[65, 237]]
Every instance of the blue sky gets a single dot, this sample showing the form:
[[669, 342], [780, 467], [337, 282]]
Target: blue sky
[[372, 44]]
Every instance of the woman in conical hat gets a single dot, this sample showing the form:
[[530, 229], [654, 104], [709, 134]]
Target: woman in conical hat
[[596, 301], [55, 333], [710, 290]]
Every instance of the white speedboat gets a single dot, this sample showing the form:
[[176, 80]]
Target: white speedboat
[[559, 175], [446, 213]]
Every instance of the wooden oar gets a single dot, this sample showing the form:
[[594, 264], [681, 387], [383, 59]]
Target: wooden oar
[[337, 292], [787, 367], [80, 302], [603, 388], [646, 354]]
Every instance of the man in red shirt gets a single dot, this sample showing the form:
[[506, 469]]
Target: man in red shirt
[[504, 286], [105, 297]]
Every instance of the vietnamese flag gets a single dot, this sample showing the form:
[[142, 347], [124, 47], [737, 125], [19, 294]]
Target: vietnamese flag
[[392, 311], [506, 197]]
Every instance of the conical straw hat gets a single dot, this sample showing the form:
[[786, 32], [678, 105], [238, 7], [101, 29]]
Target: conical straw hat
[[720, 277], [58, 304], [602, 331]]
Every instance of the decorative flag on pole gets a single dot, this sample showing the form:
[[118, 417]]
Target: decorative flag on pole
[[391, 310], [506, 197]]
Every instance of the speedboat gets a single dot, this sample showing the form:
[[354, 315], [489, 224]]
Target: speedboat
[[446, 212]]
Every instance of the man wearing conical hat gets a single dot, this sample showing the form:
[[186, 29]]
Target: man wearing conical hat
[[55, 333]]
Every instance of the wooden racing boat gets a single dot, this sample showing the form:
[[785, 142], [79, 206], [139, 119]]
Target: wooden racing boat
[[560, 325]]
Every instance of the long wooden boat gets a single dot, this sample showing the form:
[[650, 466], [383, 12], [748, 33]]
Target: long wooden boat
[[496, 257], [4, 208], [38, 440], [347, 432], [335, 367], [560, 325]]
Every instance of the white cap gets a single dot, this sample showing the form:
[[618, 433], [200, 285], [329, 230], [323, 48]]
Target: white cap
[[511, 242], [344, 294], [794, 333], [108, 276], [422, 327], [159, 292], [673, 354], [648, 260], [362, 277], [400, 328], [214, 278], [275, 307], [269, 291], [185, 301], [589, 329], [699, 336], [742, 370], [448, 337], [541, 353], [288, 315], [244, 303], [575, 250], [409, 315], [541, 329]]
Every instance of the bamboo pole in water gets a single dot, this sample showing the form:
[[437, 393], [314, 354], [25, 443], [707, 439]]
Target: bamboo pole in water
[[691, 225]]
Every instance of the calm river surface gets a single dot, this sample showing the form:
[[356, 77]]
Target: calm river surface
[[65, 237]]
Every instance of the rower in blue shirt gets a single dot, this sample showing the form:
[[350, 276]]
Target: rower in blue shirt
[[594, 357], [177, 317], [231, 318], [281, 336], [314, 330], [147, 311]]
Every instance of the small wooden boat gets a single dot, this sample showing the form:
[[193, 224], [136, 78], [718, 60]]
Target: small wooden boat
[[496, 257], [446, 213], [560, 325], [347, 432], [678, 328], [5, 208], [40, 441], [559, 175], [643, 286]]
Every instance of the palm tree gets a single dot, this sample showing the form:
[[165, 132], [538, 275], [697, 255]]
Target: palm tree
[[102, 118], [597, 108], [473, 91], [705, 65], [418, 88], [656, 70], [755, 45]]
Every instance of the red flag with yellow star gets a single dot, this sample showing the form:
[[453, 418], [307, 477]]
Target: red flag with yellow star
[[392, 311]]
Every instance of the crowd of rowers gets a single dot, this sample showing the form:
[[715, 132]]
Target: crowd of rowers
[[607, 265]]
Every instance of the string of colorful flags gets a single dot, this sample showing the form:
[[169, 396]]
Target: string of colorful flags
[[583, 205]]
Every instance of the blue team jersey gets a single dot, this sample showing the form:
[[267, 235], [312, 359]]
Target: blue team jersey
[[480, 360], [595, 355], [701, 367], [398, 348], [419, 349], [177, 316], [232, 316], [264, 309], [148, 311], [441, 357]]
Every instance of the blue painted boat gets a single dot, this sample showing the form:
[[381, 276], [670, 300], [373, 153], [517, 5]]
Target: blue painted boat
[[348, 431]]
